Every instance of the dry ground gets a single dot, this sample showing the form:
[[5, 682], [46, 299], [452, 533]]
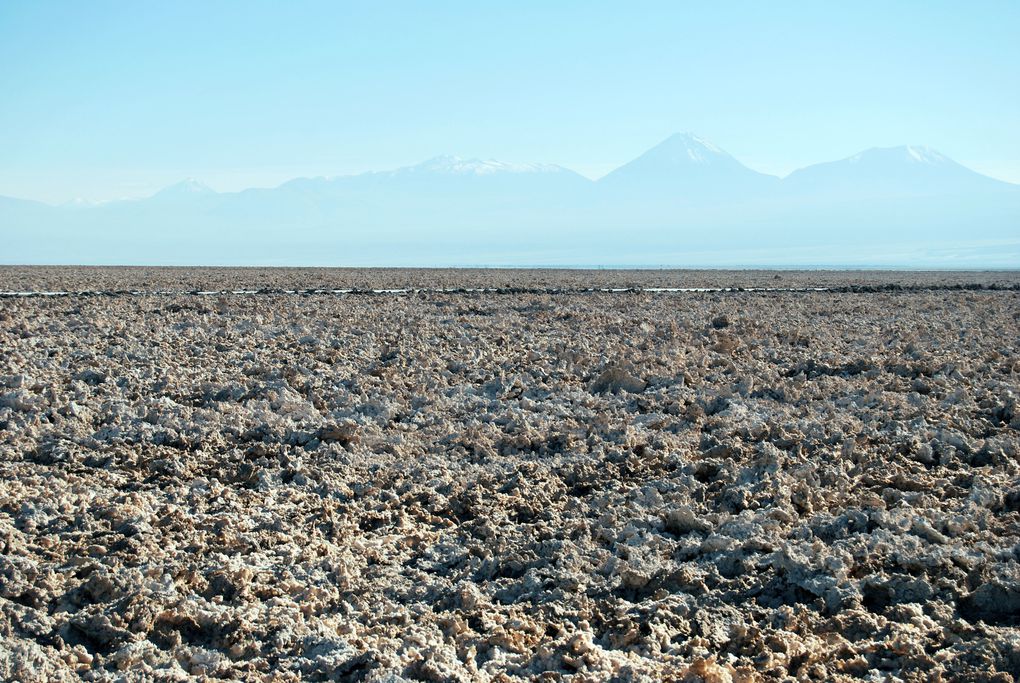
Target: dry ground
[[702, 486]]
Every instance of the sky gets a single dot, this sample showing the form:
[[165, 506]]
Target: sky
[[105, 99]]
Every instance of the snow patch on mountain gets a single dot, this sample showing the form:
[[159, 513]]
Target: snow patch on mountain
[[186, 188], [925, 155], [907, 153], [455, 165]]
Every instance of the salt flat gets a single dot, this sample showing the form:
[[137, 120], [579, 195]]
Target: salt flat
[[498, 486]]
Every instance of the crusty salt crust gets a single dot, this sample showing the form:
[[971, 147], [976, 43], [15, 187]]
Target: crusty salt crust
[[466, 486]]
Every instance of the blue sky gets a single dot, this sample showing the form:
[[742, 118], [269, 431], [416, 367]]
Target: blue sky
[[112, 99]]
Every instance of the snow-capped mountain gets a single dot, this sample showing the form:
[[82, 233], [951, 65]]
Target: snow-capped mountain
[[679, 151], [683, 197], [891, 171], [686, 166], [444, 175]]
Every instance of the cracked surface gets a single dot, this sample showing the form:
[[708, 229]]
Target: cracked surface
[[737, 486]]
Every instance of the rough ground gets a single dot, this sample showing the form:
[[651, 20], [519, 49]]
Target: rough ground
[[127, 278], [696, 486]]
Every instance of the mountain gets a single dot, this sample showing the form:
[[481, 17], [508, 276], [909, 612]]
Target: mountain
[[444, 175], [25, 232], [14, 204], [685, 201], [685, 166], [891, 172], [458, 166], [443, 197], [22, 213], [184, 190]]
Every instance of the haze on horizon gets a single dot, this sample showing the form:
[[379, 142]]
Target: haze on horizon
[[110, 100]]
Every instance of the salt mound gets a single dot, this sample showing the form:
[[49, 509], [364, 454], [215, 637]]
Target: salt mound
[[616, 379]]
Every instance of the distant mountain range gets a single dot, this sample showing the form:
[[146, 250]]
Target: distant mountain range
[[683, 202]]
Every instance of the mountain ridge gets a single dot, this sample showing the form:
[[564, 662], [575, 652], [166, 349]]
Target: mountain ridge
[[685, 195], [903, 168], [699, 152]]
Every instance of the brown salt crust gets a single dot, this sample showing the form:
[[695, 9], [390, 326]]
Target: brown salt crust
[[476, 487], [133, 278]]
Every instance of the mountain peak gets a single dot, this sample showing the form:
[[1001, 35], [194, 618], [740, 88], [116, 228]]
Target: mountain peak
[[891, 171], [684, 149], [697, 149], [689, 164], [913, 154]]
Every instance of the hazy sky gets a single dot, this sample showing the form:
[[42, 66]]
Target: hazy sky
[[110, 99]]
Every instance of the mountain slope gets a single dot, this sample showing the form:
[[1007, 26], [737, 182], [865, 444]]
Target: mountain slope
[[889, 172], [686, 166], [682, 198]]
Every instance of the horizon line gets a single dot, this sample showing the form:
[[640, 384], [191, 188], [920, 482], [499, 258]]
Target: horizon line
[[91, 203]]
